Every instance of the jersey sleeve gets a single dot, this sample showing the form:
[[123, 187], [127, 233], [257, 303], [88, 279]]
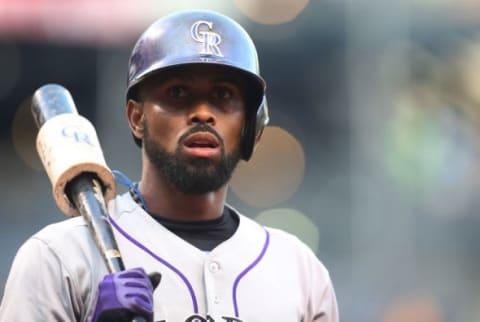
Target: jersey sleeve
[[39, 287], [324, 305], [322, 302]]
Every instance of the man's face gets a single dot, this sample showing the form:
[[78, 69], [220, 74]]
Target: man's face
[[192, 124]]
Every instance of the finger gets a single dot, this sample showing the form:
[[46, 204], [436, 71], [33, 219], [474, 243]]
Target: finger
[[138, 284]]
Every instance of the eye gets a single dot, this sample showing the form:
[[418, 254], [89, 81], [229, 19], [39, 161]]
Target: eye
[[177, 92], [222, 93]]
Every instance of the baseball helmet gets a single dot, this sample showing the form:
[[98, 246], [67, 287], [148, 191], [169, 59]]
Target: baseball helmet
[[202, 37]]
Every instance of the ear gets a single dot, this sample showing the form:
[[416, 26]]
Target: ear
[[135, 118]]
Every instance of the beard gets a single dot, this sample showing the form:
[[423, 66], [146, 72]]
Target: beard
[[191, 175]]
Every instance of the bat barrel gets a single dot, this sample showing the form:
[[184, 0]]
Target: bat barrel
[[51, 100]]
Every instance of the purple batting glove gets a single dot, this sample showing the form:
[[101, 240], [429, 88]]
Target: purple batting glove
[[124, 295]]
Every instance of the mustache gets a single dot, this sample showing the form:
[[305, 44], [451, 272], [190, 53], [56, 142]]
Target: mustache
[[201, 128]]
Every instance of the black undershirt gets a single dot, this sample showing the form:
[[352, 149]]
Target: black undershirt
[[204, 234]]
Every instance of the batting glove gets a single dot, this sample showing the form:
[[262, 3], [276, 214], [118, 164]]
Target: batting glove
[[124, 295]]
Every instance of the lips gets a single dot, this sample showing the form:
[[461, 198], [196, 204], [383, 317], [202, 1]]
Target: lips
[[202, 140], [202, 144]]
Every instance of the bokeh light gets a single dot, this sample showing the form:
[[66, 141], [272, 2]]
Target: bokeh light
[[414, 309], [24, 133], [293, 221], [271, 12], [469, 64], [275, 171]]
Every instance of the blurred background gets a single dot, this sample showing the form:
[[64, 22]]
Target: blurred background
[[372, 156]]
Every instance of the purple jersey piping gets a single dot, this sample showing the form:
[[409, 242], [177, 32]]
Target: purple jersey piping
[[161, 260], [246, 270]]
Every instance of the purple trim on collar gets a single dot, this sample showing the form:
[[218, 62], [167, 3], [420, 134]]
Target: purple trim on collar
[[161, 260], [246, 270]]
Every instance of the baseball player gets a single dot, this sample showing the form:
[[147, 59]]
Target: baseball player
[[196, 105]]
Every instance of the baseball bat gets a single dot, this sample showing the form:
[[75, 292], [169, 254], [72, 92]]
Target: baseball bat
[[82, 183]]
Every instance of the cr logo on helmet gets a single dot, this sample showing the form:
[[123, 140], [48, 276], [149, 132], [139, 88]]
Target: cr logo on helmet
[[210, 39]]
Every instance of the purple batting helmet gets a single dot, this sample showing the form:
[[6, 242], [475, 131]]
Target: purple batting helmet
[[202, 37]]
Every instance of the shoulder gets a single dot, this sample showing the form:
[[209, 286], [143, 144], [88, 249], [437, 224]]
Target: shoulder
[[61, 264], [297, 259], [310, 271], [274, 234], [277, 237], [288, 242], [72, 230], [283, 244], [67, 244]]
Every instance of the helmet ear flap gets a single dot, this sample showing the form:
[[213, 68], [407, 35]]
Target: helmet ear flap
[[262, 120], [254, 129]]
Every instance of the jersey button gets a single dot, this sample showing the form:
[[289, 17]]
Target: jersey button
[[216, 300], [214, 267]]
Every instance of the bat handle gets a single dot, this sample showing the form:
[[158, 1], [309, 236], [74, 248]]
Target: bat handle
[[86, 192]]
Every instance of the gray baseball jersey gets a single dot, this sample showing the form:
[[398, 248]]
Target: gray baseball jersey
[[259, 274]]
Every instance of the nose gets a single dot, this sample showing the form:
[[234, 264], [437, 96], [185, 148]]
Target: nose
[[202, 112]]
